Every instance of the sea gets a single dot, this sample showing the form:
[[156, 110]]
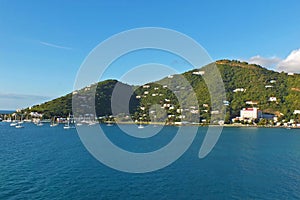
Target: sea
[[4, 112], [246, 163]]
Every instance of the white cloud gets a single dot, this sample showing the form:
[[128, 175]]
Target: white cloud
[[290, 64], [55, 46], [268, 62]]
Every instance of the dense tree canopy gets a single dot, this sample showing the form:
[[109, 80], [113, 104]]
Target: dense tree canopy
[[271, 91]]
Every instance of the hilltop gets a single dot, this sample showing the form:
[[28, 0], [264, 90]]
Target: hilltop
[[246, 85]]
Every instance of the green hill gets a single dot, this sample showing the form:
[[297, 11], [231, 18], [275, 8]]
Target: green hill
[[273, 92]]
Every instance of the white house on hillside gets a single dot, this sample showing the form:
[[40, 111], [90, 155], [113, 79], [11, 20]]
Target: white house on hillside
[[239, 90], [296, 112], [250, 113]]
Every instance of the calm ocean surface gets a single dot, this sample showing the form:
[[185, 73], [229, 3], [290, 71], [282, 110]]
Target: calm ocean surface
[[246, 163]]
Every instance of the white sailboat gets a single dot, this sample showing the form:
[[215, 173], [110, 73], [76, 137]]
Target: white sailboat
[[39, 123], [140, 126], [67, 126], [53, 124], [15, 122], [19, 125]]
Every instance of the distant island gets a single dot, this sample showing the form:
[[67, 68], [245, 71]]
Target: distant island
[[254, 95]]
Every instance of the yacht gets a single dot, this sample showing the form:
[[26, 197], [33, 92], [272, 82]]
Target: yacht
[[19, 126], [13, 124], [140, 126], [39, 123], [67, 126], [53, 124]]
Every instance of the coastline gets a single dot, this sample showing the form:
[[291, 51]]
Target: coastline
[[201, 125], [179, 125]]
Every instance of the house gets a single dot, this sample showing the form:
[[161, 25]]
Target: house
[[268, 116], [272, 81], [250, 113], [170, 76], [166, 105], [194, 111], [215, 112], [272, 99], [199, 73], [296, 112], [35, 114], [146, 92], [142, 108], [146, 86], [268, 86], [179, 110], [251, 102], [239, 90], [290, 74], [138, 97], [171, 107], [226, 103]]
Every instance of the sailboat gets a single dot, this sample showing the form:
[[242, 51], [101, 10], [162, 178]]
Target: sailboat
[[19, 125], [140, 126], [39, 123], [21, 120], [67, 126], [14, 123], [53, 124]]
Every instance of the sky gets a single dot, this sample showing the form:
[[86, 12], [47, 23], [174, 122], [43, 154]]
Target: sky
[[44, 43]]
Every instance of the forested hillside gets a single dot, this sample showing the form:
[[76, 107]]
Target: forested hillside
[[246, 85]]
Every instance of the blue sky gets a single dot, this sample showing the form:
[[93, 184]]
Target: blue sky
[[43, 43]]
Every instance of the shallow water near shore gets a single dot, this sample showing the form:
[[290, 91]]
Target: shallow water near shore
[[246, 163]]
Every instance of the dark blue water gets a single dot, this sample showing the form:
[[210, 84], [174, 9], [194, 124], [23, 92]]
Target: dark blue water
[[7, 111], [51, 163]]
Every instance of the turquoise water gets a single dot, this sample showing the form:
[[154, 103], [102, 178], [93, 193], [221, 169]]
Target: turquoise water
[[51, 163]]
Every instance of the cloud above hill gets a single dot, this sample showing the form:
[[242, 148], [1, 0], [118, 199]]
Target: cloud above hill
[[268, 62], [290, 64]]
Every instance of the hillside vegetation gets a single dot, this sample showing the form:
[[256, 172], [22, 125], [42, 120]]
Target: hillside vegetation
[[273, 92]]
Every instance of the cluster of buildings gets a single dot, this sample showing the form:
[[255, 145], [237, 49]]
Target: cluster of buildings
[[253, 114]]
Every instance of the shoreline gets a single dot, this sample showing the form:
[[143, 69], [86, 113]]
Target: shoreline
[[179, 125]]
